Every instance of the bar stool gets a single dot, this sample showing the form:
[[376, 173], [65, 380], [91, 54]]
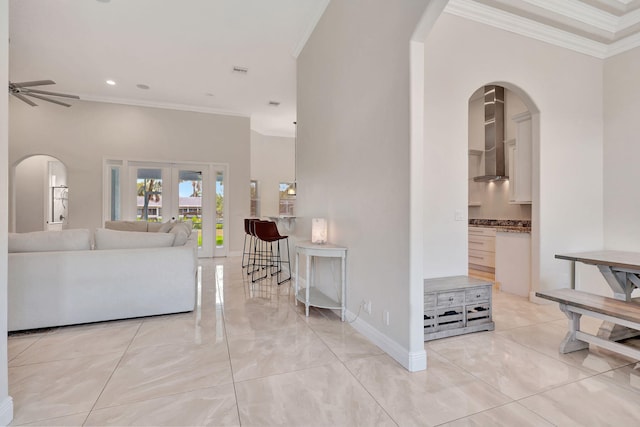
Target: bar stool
[[247, 233], [267, 233], [256, 251]]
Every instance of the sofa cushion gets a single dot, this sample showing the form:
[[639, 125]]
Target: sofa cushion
[[165, 227], [126, 225], [189, 224], [114, 239], [153, 227], [47, 241], [181, 231]]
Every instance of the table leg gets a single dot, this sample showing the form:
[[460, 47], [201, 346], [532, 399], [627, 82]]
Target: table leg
[[622, 284]]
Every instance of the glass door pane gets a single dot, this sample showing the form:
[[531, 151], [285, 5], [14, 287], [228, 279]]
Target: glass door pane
[[149, 195], [190, 200], [219, 209]]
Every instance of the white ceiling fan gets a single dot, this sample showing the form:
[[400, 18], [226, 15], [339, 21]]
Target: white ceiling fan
[[23, 89]]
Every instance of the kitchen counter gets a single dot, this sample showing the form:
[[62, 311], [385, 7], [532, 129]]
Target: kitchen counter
[[503, 225]]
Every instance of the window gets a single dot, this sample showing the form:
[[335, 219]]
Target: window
[[149, 189], [287, 198], [255, 198]]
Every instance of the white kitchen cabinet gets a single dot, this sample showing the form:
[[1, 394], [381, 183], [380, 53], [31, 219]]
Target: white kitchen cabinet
[[482, 249], [513, 262], [519, 158]]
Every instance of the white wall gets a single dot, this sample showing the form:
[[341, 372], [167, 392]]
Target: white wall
[[622, 151], [353, 153], [29, 179], [272, 162], [82, 135], [566, 88], [6, 404]]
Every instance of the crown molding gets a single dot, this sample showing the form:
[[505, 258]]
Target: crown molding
[[526, 27], [315, 18], [166, 106], [581, 12]]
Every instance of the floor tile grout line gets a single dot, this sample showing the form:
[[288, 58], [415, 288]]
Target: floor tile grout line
[[93, 407], [226, 338]]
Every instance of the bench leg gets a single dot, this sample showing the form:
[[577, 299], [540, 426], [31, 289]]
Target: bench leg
[[570, 343]]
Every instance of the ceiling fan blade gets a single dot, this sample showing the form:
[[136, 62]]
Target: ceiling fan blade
[[34, 83], [46, 92], [22, 98], [46, 99]]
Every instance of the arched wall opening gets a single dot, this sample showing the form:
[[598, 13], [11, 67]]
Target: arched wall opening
[[39, 196], [499, 200]]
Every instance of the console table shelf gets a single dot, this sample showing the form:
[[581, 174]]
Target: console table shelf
[[309, 295]]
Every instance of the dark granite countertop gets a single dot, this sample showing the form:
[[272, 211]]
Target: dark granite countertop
[[506, 225]]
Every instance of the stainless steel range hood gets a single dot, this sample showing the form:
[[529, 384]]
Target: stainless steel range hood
[[494, 162]]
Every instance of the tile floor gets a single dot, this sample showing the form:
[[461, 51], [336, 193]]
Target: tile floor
[[248, 356]]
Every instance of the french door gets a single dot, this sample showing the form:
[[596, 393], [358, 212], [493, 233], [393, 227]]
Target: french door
[[160, 192]]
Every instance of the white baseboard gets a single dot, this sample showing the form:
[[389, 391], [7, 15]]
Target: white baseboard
[[6, 411], [412, 361]]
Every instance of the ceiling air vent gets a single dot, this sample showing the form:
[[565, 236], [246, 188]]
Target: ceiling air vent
[[274, 103], [242, 70]]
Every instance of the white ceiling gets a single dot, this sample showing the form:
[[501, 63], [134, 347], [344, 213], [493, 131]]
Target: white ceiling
[[185, 50], [182, 49]]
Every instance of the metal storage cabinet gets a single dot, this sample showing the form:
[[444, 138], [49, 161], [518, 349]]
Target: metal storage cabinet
[[456, 305]]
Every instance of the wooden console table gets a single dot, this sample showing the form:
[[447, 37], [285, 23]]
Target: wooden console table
[[311, 296]]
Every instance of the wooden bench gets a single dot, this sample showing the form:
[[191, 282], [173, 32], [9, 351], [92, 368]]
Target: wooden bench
[[575, 303]]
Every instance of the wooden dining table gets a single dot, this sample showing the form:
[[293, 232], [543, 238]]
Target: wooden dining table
[[621, 271]]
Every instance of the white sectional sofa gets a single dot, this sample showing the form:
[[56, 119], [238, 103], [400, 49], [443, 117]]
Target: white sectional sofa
[[56, 278]]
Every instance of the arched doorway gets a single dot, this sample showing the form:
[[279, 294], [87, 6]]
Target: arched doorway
[[504, 137], [39, 195]]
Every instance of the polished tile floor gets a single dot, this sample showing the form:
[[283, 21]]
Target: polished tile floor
[[248, 356]]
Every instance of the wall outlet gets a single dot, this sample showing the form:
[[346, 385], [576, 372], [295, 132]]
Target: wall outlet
[[459, 215], [385, 317], [367, 307]]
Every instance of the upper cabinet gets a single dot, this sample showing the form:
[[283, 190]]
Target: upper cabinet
[[519, 158]]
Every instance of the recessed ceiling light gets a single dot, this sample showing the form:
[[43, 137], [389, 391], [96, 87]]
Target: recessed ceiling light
[[274, 103], [142, 86], [238, 69], [111, 82]]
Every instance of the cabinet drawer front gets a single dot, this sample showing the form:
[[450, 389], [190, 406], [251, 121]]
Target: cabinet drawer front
[[482, 243], [450, 318], [429, 320], [477, 295], [477, 314], [486, 259], [429, 301], [480, 231], [448, 299]]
